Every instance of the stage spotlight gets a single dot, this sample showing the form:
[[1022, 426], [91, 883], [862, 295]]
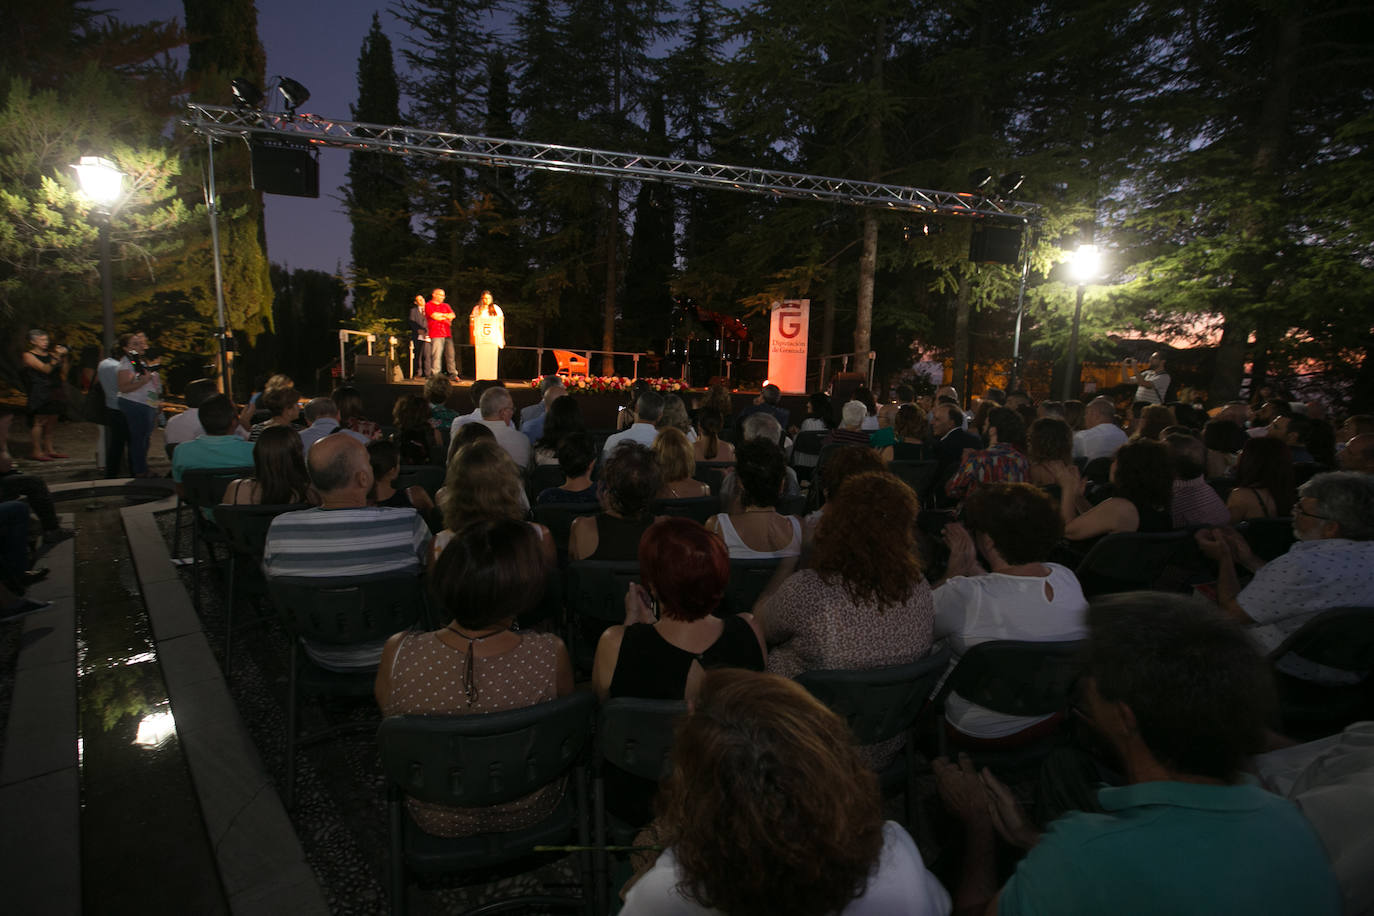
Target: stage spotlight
[[295, 94], [1009, 182], [246, 93], [979, 178]]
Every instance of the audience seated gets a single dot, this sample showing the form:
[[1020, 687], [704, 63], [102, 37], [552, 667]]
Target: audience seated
[[674, 416], [349, 400], [483, 483], [1018, 596], [843, 463], [911, 437], [864, 396], [1142, 486], [862, 601], [1001, 462], [498, 410], [1331, 565], [344, 536], [671, 634], [820, 415], [648, 408], [218, 448], [475, 393], [1358, 454], [768, 402], [534, 417], [1181, 698], [1193, 502], [437, 391], [14, 485], [416, 437], [562, 419], [1224, 439], [709, 446], [768, 810], [279, 474], [1049, 449], [282, 406], [951, 440], [185, 426], [385, 459], [1264, 481], [1100, 437], [322, 419], [491, 573], [753, 529], [576, 458], [1152, 420], [677, 465], [630, 480], [850, 431]]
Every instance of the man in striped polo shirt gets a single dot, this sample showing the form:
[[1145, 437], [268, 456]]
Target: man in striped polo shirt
[[344, 536]]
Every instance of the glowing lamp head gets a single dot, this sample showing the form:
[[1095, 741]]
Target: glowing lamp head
[[1086, 263], [100, 179]]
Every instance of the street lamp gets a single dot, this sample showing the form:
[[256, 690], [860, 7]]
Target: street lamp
[[1085, 264], [103, 183]]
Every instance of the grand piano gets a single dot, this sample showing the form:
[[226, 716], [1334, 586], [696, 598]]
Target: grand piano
[[705, 343]]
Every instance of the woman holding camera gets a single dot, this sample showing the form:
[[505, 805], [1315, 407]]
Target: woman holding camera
[[140, 398], [44, 373]]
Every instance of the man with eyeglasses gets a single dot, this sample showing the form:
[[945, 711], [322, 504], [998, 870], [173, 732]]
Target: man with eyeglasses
[[1331, 565]]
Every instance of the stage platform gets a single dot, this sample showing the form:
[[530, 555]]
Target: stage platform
[[598, 409]]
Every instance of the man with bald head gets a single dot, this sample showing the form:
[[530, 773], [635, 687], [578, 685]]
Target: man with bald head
[[344, 536], [497, 410], [1100, 437]]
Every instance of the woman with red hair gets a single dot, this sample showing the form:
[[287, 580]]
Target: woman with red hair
[[671, 634]]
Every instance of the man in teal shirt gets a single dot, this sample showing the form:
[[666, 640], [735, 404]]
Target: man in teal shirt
[[1182, 697], [217, 447]]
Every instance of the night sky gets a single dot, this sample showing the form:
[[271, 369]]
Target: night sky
[[316, 44]]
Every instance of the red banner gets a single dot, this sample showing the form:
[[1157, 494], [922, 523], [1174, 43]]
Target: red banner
[[787, 333]]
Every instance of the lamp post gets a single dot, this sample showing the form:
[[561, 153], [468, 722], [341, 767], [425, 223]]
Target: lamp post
[[1085, 265], [103, 183]]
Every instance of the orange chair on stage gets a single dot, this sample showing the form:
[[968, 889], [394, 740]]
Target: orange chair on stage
[[570, 363]]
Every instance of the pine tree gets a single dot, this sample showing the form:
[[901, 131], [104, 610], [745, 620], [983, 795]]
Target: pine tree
[[377, 193]]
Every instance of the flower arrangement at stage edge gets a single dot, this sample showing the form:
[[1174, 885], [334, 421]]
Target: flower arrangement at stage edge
[[602, 384]]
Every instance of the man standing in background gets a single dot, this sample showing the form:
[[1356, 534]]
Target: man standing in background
[[439, 316]]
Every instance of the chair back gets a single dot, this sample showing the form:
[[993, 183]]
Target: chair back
[[245, 527], [348, 610], [806, 452], [1268, 537], [697, 508], [1341, 638], [428, 476], [636, 735], [558, 518], [486, 759], [539, 477], [1130, 561], [748, 579], [1222, 486], [919, 475], [712, 473], [594, 598], [878, 703], [1017, 678], [205, 487], [570, 363], [1098, 470]]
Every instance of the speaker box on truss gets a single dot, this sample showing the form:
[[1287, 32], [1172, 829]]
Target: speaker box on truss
[[994, 244], [369, 369], [285, 167]]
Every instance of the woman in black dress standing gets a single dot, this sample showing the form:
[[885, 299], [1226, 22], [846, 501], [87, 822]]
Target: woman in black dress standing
[[44, 372]]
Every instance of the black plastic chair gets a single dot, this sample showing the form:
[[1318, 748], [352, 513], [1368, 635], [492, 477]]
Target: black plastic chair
[[636, 737], [482, 760], [1268, 537], [1339, 638], [1014, 678], [712, 473], [558, 518], [1222, 486], [428, 476], [245, 531], [919, 475], [539, 477], [748, 579], [594, 595], [806, 452], [1098, 470], [203, 489], [880, 704], [697, 508], [1134, 561], [340, 611]]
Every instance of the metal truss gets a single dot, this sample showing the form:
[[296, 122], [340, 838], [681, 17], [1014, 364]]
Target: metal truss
[[220, 121]]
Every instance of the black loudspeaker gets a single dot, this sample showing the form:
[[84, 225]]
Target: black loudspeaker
[[993, 244], [285, 167], [369, 369]]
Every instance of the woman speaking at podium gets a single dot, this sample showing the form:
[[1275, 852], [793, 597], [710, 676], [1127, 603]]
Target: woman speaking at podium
[[488, 326]]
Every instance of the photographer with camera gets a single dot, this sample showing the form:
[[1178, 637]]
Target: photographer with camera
[[44, 373], [140, 397]]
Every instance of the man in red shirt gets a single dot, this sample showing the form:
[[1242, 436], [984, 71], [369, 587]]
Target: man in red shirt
[[439, 317]]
